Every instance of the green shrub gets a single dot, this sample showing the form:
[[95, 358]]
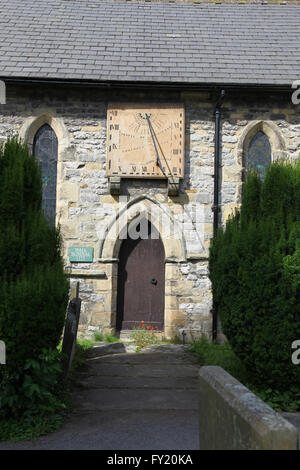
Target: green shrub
[[223, 356], [33, 284], [33, 390], [255, 273]]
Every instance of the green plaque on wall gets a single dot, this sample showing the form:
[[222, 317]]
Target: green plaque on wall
[[81, 254]]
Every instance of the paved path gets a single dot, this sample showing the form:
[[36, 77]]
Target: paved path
[[145, 401]]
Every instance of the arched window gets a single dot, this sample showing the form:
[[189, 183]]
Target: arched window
[[259, 154], [45, 149]]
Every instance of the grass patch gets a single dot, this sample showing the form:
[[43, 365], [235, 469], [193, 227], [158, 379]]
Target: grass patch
[[222, 355], [98, 337], [107, 338], [174, 340], [31, 427], [82, 346]]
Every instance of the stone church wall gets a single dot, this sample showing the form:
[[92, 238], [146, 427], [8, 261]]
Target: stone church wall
[[86, 211]]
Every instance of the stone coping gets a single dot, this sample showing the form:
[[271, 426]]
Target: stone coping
[[233, 418]]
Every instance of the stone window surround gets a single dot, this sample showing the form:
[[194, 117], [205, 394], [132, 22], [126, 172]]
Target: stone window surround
[[273, 133], [27, 133], [278, 151]]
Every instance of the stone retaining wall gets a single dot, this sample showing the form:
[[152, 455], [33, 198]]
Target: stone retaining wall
[[233, 418]]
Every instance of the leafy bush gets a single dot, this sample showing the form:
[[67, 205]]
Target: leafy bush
[[223, 356], [33, 284], [33, 390], [45, 398], [255, 273], [29, 427]]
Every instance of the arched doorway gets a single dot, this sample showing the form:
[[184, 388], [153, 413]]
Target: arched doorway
[[141, 281]]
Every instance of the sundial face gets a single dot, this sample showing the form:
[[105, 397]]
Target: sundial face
[[145, 141]]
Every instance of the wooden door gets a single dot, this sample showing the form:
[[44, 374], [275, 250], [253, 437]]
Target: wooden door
[[141, 282]]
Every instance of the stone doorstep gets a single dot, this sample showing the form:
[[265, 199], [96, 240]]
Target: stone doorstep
[[125, 335]]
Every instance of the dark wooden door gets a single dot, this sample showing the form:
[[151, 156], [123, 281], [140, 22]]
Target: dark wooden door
[[141, 282]]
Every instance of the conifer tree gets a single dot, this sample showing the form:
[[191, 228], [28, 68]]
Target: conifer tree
[[255, 273], [33, 284]]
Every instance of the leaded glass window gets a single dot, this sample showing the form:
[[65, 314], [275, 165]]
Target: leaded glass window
[[259, 154], [45, 149]]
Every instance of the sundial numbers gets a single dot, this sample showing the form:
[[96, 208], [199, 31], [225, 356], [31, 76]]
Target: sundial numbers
[[144, 115]]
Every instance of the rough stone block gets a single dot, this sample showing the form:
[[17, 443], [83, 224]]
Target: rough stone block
[[70, 191], [232, 174]]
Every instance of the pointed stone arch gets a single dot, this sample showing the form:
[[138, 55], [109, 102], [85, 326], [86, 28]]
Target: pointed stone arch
[[175, 253], [33, 124], [66, 151], [160, 217], [278, 147]]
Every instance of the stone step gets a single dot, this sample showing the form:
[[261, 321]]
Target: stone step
[[87, 381], [125, 335], [175, 351], [95, 367], [103, 349], [103, 399], [140, 358]]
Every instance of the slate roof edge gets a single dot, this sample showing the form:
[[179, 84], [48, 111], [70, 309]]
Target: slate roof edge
[[146, 84]]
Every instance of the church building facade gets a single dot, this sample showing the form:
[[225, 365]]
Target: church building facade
[[145, 118]]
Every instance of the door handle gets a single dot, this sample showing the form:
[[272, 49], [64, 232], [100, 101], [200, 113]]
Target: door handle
[[153, 281]]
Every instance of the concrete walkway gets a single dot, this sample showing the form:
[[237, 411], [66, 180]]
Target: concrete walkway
[[144, 401]]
